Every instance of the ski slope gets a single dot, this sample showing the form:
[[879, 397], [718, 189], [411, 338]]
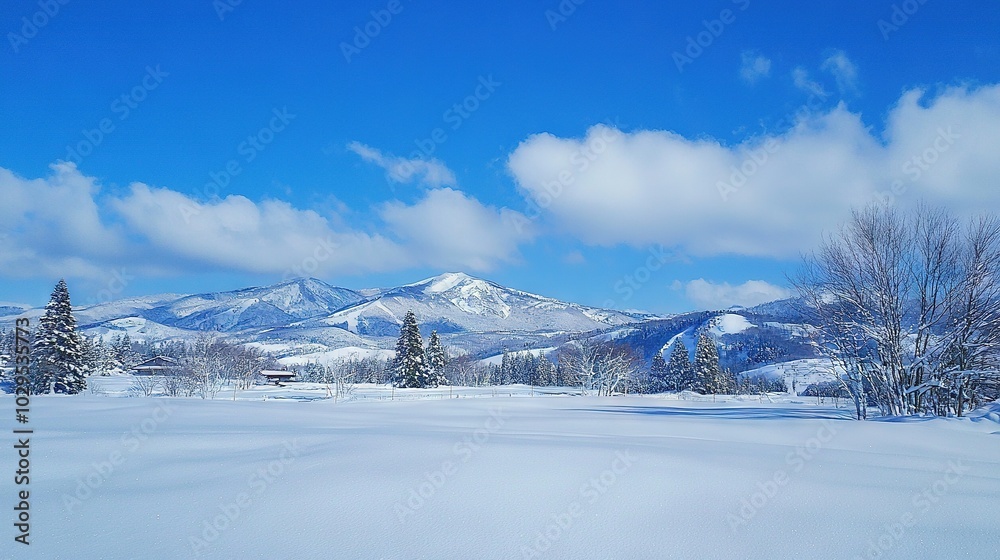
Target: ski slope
[[507, 477]]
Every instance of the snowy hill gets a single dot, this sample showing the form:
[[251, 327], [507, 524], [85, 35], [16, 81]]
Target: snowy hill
[[748, 338], [456, 302]]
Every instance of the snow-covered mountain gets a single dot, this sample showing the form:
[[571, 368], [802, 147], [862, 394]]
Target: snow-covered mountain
[[308, 314], [456, 303], [228, 312]]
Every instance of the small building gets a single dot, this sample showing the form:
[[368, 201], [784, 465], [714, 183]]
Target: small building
[[160, 365], [278, 376]]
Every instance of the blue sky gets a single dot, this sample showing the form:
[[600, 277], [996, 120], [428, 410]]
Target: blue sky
[[354, 163]]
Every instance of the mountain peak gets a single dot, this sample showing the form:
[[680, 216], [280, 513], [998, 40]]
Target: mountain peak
[[446, 281]]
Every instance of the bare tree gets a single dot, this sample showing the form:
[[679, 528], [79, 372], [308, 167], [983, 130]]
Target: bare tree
[[144, 385], [907, 308], [604, 368]]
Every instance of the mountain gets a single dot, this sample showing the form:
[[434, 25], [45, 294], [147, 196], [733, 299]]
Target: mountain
[[458, 303], [229, 312], [307, 315], [748, 338]]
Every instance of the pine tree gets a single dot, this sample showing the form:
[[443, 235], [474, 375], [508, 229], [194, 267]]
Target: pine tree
[[658, 379], [706, 366], [124, 355], [505, 374], [680, 375], [546, 371], [410, 364], [90, 350], [437, 359], [58, 361]]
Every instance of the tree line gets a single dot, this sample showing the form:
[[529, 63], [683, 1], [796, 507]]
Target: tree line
[[597, 367]]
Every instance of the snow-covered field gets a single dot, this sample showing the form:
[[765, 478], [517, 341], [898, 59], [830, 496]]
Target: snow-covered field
[[501, 477]]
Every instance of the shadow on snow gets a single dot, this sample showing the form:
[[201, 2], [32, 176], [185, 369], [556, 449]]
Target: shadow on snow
[[735, 413]]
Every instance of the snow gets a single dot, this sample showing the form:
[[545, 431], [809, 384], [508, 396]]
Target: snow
[[444, 282], [633, 477], [798, 374], [730, 323], [327, 356], [989, 413], [794, 329], [138, 329], [496, 360]]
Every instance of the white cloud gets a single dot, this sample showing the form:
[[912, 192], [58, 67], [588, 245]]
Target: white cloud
[[712, 295], [401, 170], [449, 229], [52, 226], [754, 67], [844, 72], [801, 79], [657, 187], [236, 233], [61, 226]]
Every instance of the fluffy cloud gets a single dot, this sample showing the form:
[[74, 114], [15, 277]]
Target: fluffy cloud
[[771, 195], [401, 170], [53, 226], [449, 229], [710, 295], [61, 225], [754, 67], [844, 71]]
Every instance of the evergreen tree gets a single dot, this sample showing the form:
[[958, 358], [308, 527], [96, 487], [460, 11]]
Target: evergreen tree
[[706, 367], [123, 353], [410, 364], [658, 379], [90, 350], [680, 376], [6, 347], [58, 360], [437, 359], [505, 374], [547, 374]]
